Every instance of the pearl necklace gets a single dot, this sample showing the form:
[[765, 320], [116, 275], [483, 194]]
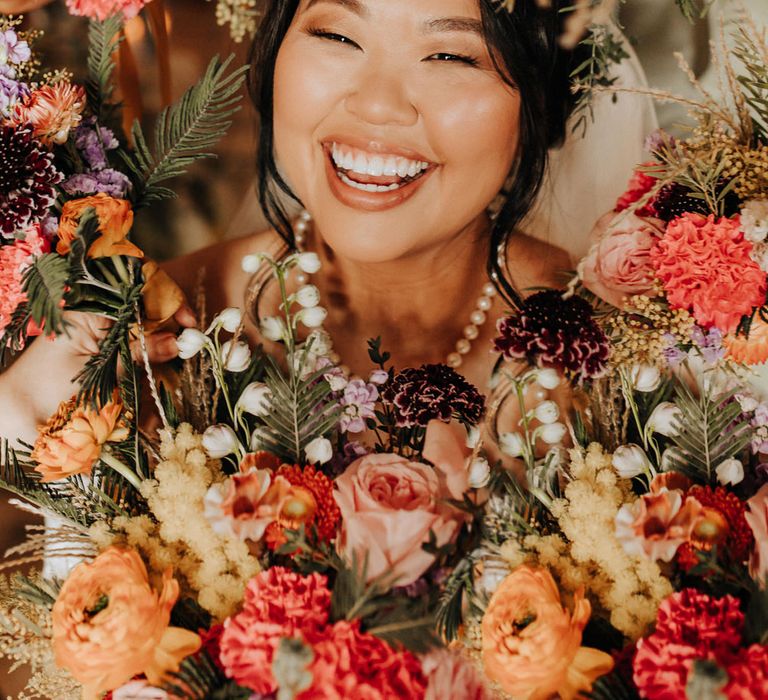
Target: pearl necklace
[[470, 332]]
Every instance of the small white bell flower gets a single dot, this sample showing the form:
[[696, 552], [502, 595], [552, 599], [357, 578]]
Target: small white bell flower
[[664, 418], [308, 296], [473, 437], [258, 439], [731, 471], [548, 378], [479, 473], [512, 444], [321, 343], [255, 399], [319, 451], [630, 461], [190, 342], [547, 412], [312, 318], [273, 328], [236, 356], [645, 378], [308, 262], [219, 441], [251, 263], [229, 319], [670, 459], [552, 433]]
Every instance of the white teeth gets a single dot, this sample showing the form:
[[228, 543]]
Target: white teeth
[[375, 165], [369, 187]]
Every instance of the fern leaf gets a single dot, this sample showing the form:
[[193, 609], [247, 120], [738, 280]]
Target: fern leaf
[[186, 130], [708, 431], [14, 336], [44, 283], [613, 687], [103, 40]]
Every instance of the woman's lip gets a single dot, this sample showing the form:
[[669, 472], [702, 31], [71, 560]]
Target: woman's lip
[[370, 201], [377, 147]]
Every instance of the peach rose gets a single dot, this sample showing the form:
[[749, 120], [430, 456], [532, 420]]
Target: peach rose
[[72, 439], [757, 519], [388, 508], [531, 645], [109, 625], [657, 523], [619, 264], [115, 221], [451, 675], [161, 296]]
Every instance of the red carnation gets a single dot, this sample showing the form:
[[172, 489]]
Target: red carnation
[[705, 267], [690, 625], [748, 675], [278, 603], [351, 664], [640, 184]]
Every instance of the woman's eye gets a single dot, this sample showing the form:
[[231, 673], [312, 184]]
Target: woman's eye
[[453, 58], [331, 36]]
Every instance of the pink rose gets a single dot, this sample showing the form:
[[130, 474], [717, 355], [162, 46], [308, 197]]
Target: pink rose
[[757, 519], [618, 265], [388, 508], [451, 675]]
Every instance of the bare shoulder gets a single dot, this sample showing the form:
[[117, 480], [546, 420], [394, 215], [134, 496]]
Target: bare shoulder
[[218, 268], [535, 263]]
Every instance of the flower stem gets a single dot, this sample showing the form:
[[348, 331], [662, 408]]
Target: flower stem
[[111, 461]]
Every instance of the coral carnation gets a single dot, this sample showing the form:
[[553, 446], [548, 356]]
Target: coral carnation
[[14, 259], [550, 331], [311, 504], [101, 9], [278, 603], [52, 110], [706, 268], [690, 625], [351, 664]]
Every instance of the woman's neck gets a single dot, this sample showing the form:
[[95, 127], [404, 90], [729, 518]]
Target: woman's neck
[[418, 305]]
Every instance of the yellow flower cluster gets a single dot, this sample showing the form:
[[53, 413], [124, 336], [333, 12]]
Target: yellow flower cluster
[[629, 589], [638, 335], [213, 568], [240, 15]]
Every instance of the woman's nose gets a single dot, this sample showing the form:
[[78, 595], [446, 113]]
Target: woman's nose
[[380, 97]]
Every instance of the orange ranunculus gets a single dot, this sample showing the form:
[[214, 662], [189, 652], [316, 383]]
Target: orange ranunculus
[[532, 645], [109, 625], [72, 439], [115, 221], [162, 297]]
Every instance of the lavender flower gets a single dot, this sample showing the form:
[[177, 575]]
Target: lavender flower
[[12, 49], [108, 181], [672, 354], [11, 92], [710, 344], [93, 142], [432, 392], [343, 458], [359, 400]]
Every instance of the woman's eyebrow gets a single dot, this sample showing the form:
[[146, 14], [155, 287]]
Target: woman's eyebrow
[[454, 24], [354, 5]]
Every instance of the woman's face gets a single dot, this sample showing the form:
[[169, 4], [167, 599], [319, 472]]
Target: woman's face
[[391, 123]]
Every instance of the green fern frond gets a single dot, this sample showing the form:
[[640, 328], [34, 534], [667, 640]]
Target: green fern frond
[[613, 687], [39, 592], [694, 9], [44, 283], [186, 130], [103, 40], [450, 607], [13, 338], [751, 51], [709, 431], [198, 678], [300, 412]]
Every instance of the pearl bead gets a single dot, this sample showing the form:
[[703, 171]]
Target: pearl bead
[[477, 317], [463, 346], [489, 290], [301, 278], [301, 226], [484, 303], [454, 360], [471, 332], [299, 238], [305, 216]]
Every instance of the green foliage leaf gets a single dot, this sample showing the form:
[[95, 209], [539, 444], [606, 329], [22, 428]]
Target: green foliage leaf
[[44, 283], [198, 678], [751, 51], [103, 40], [42, 592], [450, 607], [613, 687], [185, 130], [709, 431], [694, 9], [14, 336]]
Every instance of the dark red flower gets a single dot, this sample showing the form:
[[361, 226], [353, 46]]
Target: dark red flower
[[748, 674], [640, 184], [550, 331], [27, 180], [432, 392]]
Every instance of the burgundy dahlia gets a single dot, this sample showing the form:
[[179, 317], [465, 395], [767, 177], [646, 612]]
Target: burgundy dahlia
[[27, 180], [429, 392], [550, 331]]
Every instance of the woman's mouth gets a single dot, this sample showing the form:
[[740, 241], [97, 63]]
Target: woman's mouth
[[372, 181]]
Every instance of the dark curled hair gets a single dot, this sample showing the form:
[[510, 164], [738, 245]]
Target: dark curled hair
[[524, 46]]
